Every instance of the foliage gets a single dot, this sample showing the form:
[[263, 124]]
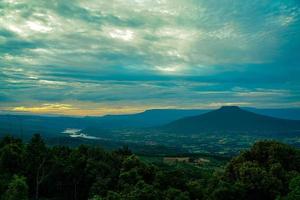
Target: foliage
[[269, 170], [17, 189], [260, 173]]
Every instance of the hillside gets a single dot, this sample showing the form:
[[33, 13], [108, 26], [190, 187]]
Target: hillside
[[148, 118], [233, 119]]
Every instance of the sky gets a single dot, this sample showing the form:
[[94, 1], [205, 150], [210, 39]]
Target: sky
[[96, 57]]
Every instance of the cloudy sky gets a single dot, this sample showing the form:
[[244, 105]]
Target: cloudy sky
[[93, 57]]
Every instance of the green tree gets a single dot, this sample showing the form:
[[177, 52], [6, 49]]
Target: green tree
[[76, 166], [124, 151], [38, 167], [294, 187], [113, 196], [175, 194], [259, 173], [12, 158], [196, 189], [143, 191], [17, 189], [8, 139]]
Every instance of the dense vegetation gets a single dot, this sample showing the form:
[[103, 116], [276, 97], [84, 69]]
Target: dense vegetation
[[269, 170]]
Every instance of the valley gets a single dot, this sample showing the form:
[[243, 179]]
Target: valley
[[176, 135]]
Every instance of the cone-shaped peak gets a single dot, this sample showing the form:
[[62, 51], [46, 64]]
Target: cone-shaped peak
[[230, 108], [233, 119]]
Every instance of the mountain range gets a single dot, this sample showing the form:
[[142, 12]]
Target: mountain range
[[225, 118]]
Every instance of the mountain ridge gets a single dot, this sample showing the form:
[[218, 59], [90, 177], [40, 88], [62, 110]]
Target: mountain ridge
[[232, 119], [54, 125]]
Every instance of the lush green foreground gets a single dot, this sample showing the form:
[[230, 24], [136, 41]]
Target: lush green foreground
[[269, 170]]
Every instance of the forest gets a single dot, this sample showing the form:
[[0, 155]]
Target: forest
[[34, 170]]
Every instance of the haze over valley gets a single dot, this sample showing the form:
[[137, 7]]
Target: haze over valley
[[225, 131]]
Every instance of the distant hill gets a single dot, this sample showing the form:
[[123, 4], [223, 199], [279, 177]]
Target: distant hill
[[148, 118], [97, 126], [27, 125], [233, 119]]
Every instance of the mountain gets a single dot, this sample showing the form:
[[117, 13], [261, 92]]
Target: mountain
[[148, 118], [98, 126], [284, 113], [232, 119], [27, 125]]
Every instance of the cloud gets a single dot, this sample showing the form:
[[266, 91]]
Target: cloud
[[68, 109], [149, 53], [44, 108]]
